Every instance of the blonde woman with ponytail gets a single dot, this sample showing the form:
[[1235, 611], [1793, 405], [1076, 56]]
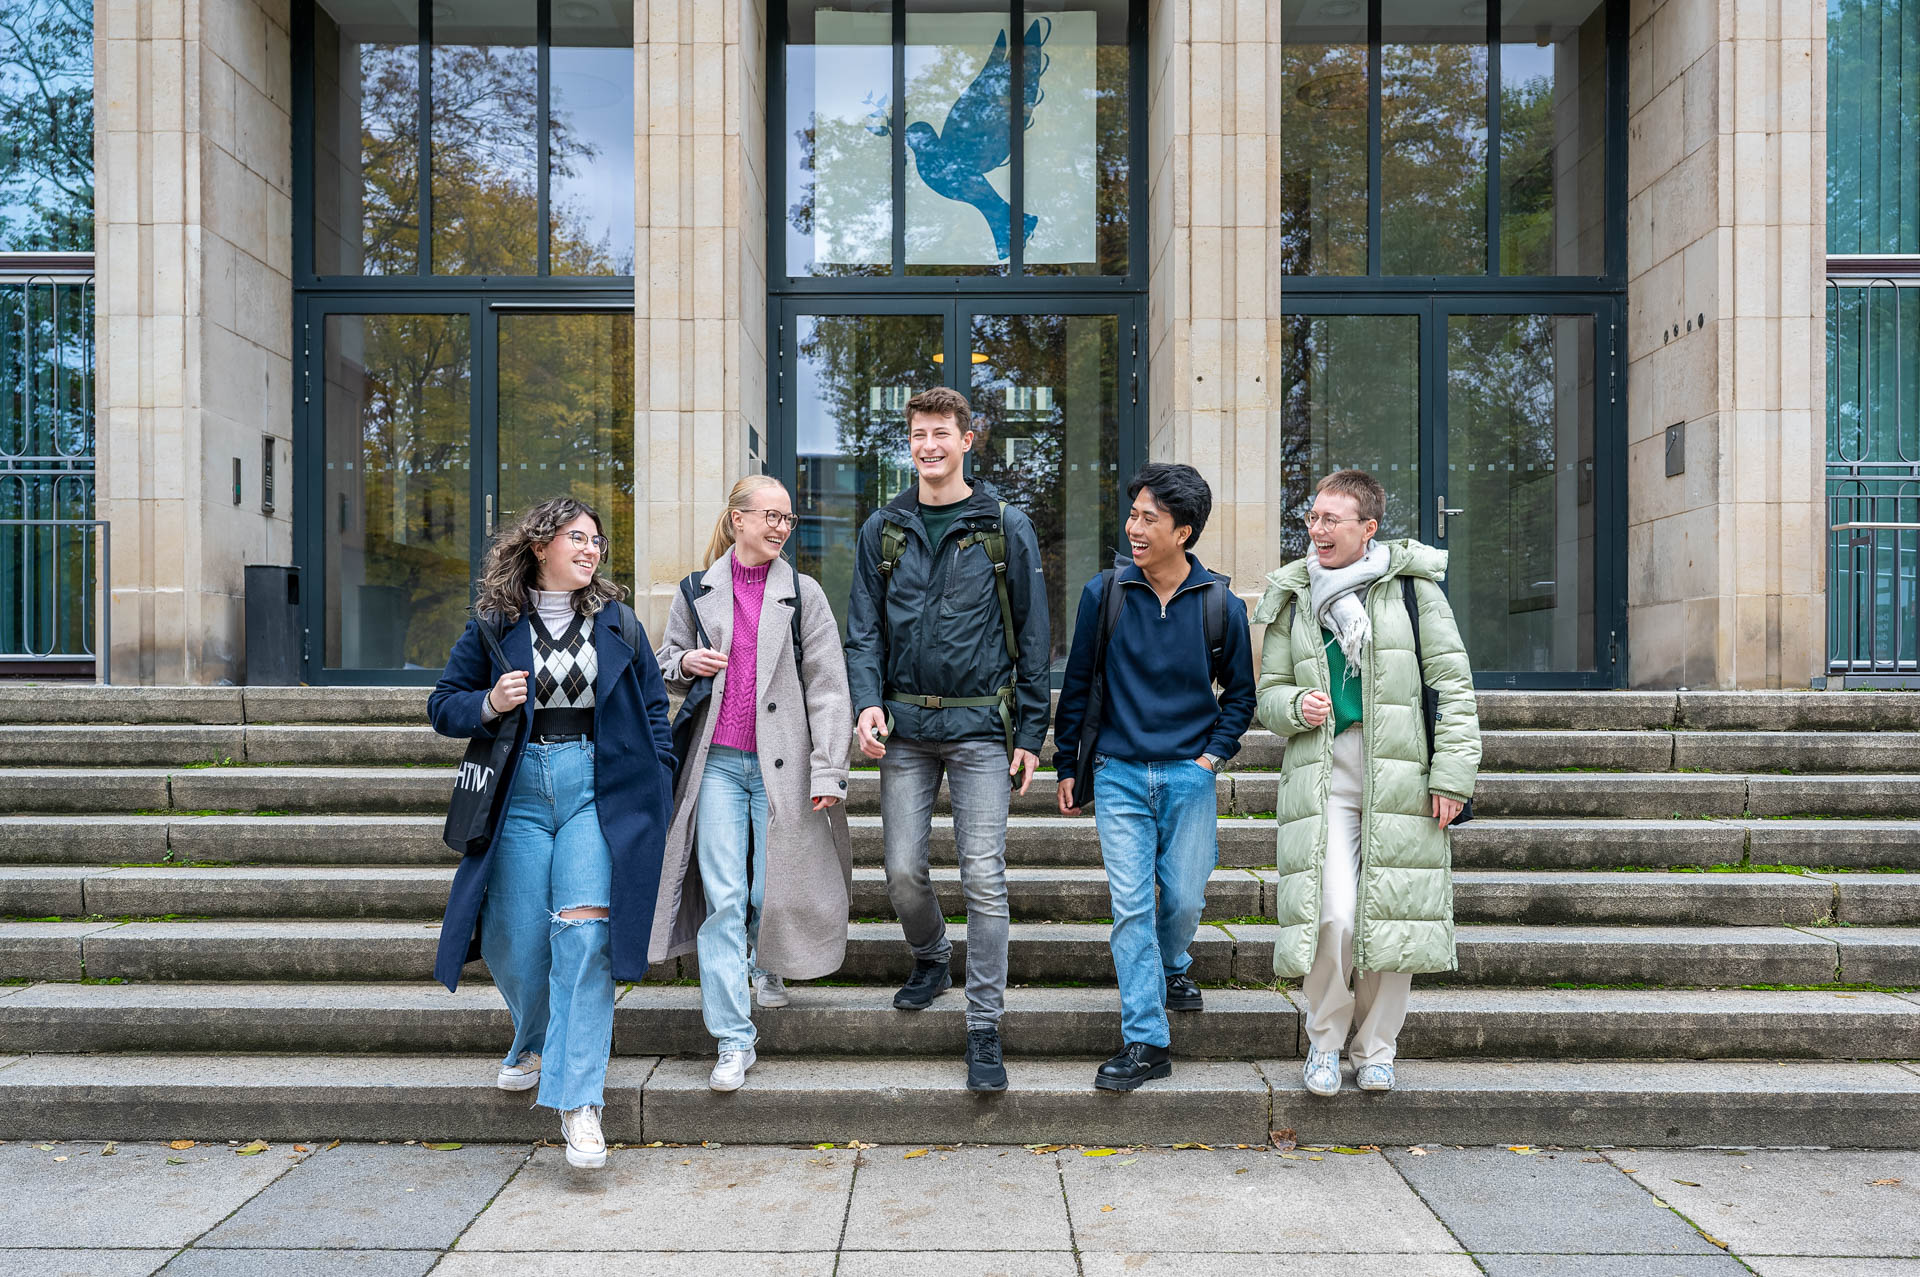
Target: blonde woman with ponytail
[[758, 860]]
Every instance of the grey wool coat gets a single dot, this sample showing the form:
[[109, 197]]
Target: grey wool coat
[[804, 728]]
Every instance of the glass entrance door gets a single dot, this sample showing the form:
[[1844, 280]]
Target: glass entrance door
[[438, 423], [1053, 387], [1493, 428]]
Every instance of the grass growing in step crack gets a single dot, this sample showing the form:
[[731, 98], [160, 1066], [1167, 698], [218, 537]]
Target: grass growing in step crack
[[101, 917], [205, 762], [1831, 987]]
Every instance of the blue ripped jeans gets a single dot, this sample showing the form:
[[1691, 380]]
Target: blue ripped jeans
[[556, 973]]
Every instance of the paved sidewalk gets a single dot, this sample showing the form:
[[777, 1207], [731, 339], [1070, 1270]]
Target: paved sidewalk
[[395, 1210]]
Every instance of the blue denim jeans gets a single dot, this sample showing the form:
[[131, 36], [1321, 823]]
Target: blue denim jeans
[[732, 818], [556, 973], [1158, 825], [976, 772]]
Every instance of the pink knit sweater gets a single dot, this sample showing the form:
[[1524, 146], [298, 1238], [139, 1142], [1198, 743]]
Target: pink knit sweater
[[735, 726]]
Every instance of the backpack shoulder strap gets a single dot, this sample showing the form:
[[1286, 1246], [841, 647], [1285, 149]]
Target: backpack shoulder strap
[[1111, 599], [1429, 699], [995, 544], [1216, 614], [893, 544], [794, 620], [689, 586]]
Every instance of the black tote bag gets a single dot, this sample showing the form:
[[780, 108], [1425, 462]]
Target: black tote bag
[[686, 724], [476, 786]]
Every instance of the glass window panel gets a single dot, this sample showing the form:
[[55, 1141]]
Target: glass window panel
[[1873, 84], [1350, 399], [1433, 138], [853, 377], [959, 133], [1046, 400], [590, 132], [485, 139], [1076, 163], [1323, 137], [1553, 153], [566, 420], [366, 137], [397, 490], [1520, 408], [46, 126], [839, 148]]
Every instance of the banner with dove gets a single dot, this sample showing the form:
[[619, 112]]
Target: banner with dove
[[959, 113]]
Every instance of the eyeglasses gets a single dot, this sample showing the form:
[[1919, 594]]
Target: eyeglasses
[[1313, 519], [777, 521], [581, 541]]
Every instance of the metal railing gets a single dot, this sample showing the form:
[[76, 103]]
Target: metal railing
[[1873, 587], [65, 588]]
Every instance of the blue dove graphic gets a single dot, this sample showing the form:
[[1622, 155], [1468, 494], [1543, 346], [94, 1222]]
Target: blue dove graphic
[[955, 161]]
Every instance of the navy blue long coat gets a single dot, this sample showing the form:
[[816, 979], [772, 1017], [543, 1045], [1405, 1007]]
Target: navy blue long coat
[[632, 779]]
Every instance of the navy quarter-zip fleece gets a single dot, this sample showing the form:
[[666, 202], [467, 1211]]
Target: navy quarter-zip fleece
[[1160, 702]]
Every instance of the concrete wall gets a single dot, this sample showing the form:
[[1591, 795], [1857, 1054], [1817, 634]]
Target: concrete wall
[[1726, 242], [194, 212]]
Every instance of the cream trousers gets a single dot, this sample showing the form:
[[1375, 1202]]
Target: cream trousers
[[1371, 1005]]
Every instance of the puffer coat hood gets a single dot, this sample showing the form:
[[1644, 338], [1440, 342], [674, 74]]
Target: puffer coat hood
[[1404, 916]]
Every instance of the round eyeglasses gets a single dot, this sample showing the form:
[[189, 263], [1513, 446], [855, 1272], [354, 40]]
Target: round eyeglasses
[[1314, 519], [581, 541], [777, 520]]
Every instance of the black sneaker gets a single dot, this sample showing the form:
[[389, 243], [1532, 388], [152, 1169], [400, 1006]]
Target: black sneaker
[[1137, 1062], [1182, 993], [928, 981], [986, 1069]]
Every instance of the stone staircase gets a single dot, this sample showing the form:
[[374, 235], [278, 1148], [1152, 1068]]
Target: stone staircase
[[1686, 918]]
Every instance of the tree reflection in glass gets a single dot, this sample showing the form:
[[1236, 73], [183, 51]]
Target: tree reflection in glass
[[46, 126], [1433, 140], [1323, 147]]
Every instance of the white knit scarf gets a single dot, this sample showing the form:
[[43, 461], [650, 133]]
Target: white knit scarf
[[1337, 601]]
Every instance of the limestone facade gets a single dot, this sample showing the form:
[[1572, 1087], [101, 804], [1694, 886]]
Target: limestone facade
[[1726, 152]]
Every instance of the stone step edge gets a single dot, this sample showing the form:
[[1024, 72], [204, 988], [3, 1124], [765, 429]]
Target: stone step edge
[[894, 1101]]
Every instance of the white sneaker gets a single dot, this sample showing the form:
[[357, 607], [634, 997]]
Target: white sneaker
[[1374, 1077], [731, 1071], [586, 1146], [522, 1075], [1321, 1072], [769, 990]]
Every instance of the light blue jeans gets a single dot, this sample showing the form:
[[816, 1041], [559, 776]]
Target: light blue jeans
[[1158, 824], [732, 816], [556, 973]]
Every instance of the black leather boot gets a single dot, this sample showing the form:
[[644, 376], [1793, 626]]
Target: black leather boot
[[1137, 1062], [1182, 993]]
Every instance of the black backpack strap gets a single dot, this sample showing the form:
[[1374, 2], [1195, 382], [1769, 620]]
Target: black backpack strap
[[688, 585], [1111, 599], [793, 619], [1216, 602], [1429, 699]]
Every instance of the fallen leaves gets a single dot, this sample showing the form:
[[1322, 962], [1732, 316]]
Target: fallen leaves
[[918, 1152], [1283, 1140], [180, 1144], [1686, 1183], [1041, 1150], [1524, 1150], [1889, 1182], [447, 1147], [1205, 1147], [301, 1148], [176, 1161], [251, 1150], [330, 1147], [1417, 1151], [111, 1149], [1099, 1152], [1715, 1240]]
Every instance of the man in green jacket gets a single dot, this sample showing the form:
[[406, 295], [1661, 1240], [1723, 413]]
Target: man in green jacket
[[1365, 897]]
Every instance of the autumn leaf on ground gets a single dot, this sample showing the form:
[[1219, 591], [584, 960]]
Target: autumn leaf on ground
[[1525, 1150], [334, 1145], [918, 1152], [1884, 1183], [176, 1161], [251, 1150], [1241, 1171], [110, 1149], [1041, 1150], [1098, 1152], [301, 1148], [1206, 1147], [1417, 1151], [1689, 1183], [858, 1144], [1105, 1209], [1351, 1152], [61, 1158], [1715, 1240], [443, 1148], [180, 1143], [821, 1148]]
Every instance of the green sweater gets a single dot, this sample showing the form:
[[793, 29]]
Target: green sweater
[[1345, 686]]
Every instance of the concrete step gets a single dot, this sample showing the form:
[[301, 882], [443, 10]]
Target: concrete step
[[171, 1095], [1487, 843], [330, 745], [1532, 897], [1039, 953], [828, 1020], [423, 790], [1499, 710]]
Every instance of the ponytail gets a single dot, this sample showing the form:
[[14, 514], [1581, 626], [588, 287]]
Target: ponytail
[[737, 500]]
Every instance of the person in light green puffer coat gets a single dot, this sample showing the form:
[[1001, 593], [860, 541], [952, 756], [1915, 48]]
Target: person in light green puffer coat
[[1365, 897]]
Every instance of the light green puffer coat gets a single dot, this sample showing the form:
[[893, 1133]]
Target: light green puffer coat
[[1404, 917]]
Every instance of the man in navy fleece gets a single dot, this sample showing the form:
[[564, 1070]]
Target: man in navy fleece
[[1160, 735]]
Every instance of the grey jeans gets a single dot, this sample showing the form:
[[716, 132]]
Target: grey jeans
[[977, 781]]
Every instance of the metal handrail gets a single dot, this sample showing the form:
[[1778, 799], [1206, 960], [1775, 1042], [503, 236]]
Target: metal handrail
[[1875, 527], [103, 643]]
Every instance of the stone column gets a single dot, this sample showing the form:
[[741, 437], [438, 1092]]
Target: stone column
[[700, 160], [1726, 245], [194, 323], [1214, 337]]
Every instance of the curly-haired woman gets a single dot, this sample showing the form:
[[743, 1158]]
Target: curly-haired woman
[[562, 898]]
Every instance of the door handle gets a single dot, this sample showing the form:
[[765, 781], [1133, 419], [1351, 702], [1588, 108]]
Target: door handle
[[1440, 512], [489, 515]]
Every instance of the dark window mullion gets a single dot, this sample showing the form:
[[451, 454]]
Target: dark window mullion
[[1373, 138], [1493, 137], [425, 176], [543, 37], [1017, 139], [898, 134]]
